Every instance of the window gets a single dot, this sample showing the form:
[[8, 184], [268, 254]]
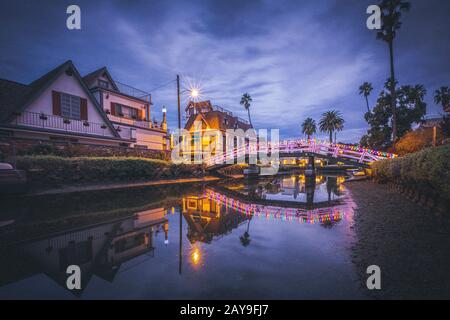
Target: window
[[103, 84], [127, 112], [70, 106]]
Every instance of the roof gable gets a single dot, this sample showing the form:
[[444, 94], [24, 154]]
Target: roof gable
[[102, 72]]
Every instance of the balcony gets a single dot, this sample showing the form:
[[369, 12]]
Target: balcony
[[144, 124], [57, 123], [133, 92]]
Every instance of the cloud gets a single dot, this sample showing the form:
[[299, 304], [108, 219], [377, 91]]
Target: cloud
[[296, 58]]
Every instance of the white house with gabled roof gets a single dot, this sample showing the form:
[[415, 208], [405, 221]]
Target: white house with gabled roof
[[63, 106]]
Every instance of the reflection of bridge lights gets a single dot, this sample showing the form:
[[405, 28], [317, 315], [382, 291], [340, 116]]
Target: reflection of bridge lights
[[319, 215]]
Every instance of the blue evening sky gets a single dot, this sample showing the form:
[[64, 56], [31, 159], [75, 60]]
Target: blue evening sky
[[296, 58]]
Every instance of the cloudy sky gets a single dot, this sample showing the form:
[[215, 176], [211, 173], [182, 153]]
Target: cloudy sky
[[296, 58]]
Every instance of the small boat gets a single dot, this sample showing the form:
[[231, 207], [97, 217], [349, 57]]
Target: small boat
[[12, 180]]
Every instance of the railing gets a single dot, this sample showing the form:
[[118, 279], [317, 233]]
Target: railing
[[133, 92], [319, 215], [226, 111], [359, 155], [40, 120], [134, 122]]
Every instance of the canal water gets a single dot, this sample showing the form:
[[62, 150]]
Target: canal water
[[285, 237]]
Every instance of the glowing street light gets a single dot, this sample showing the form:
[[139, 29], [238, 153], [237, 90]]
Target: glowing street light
[[194, 93]]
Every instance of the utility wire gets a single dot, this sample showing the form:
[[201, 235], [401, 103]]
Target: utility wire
[[162, 86]]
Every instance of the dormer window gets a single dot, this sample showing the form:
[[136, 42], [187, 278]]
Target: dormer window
[[103, 84]]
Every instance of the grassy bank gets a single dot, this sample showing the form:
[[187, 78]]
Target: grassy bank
[[427, 170], [54, 170]]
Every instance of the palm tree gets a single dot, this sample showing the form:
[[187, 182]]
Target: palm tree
[[442, 96], [245, 101], [309, 127], [330, 122], [391, 11], [365, 89]]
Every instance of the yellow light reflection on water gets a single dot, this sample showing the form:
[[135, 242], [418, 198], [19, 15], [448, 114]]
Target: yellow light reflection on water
[[196, 256]]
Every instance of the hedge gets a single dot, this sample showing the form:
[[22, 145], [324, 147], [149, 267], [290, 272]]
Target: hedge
[[59, 170], [428, 169]]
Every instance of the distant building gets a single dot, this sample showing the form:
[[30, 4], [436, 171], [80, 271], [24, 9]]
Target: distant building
[[212, 117], [430, 122], [63, 106]]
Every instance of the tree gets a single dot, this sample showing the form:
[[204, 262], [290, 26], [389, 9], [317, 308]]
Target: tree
[[309, 127], [330, 122], [442, 96], [245, 101], [410, 107], [391, 11], [365, 89]]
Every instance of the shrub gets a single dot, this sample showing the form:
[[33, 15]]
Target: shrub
[[59, 170], [428, 169], [42, 149], [416, 140]]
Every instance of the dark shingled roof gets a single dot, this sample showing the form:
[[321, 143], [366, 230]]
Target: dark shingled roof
[[12, 96]]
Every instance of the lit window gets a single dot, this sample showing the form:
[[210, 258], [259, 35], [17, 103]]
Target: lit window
[[70, 106]]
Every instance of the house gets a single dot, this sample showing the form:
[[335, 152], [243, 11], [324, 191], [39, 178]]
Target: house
[[63, 106], [212, 117], [208, 219], [129, 108]]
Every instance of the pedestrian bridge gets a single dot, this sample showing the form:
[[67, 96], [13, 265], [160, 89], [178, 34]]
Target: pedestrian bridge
[[358, 156]]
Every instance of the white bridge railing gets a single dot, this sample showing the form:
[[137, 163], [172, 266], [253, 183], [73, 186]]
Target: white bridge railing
[[357, 154]]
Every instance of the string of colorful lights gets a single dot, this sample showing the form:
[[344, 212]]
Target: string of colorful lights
[[319, 215]]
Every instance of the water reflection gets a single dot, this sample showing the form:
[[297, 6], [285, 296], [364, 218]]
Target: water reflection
[[208, 216], [99, 250]]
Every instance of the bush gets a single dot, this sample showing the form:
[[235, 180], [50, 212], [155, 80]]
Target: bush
[[42, 149], [428, 169], [415, 141], [60, 170]]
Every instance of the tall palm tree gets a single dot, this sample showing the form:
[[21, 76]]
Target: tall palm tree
[[442, 96], [391, 11], [309, 127], [365, 89], [245, 101], [330, 122]]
